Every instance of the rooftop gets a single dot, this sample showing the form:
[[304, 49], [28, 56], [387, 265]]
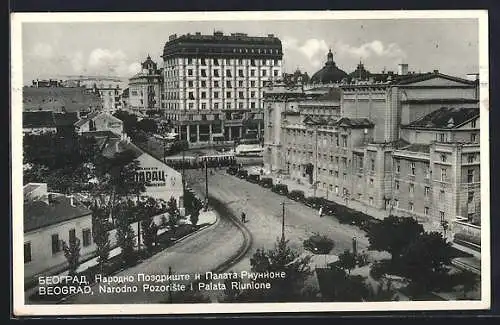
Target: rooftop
[[446, 118], [69, 99], [39, 213], [46, 119]]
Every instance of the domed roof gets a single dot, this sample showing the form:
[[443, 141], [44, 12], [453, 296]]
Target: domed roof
[[360, 73], [330, 73]]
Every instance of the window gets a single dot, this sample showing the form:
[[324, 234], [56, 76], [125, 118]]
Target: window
[[410, 206], [216, 73], [276, 73], [412, 168], [396, 203], [398, 166], [427, 190], [240, 83], [344, 176], [228, 73], [370, 200], [336, 174], [412, 188], [216, 61], [203, 95], [190, 61], [441, 194], [203, 72], [252, 63], [240, 61], [473, 137], [216, 84], [443, 174], [396, 184], [27, 252], [216, 105], [336, 189], [443, 158], [86, 237], [471, 158], [72, 235], [203, 83], [190, 105], [344, 141], [470, 176], [203, 117], [252, 83], [276, 62], [228, 61], [240, 94], [264, 73], [228, 94], [337, 140], [252, 104], [190, 84], [426, 211], [203, 105], [473, 124], [228, 84], [442, 137], [191, 95], [216, 94], [441, 215], [470, 197], [337, 160], [228, 105], [240, 73], [240, 105], [371, 181], [203, 62], [190, 72], [56, 245], [252, 94]]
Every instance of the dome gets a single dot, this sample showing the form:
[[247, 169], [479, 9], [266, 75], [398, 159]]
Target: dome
[[330, 73]]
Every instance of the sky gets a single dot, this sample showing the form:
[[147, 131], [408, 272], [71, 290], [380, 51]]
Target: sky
[[117, 48]]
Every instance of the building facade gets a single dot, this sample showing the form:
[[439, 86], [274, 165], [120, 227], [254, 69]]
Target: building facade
[[99, 121], [145, 89], [213, 84], [50, 219], [401, 143]]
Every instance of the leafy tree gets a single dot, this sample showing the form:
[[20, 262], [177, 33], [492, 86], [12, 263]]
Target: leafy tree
[[100, 235], [280, 259], [426, 260], [347, 261], [149, 234], [72, 253], [147, 125], [35, 173], [195, 212], [384, 292], [394, 234], [319, 244], [469, 281], [125, 237], [129, 121], [173, 213]]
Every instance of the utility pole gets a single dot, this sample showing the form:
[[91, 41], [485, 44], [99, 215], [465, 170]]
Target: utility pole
[[170, 280], [283, 223], [183, 175], [206, 184]]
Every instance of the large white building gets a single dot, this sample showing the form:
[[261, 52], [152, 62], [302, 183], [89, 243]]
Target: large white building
[[213, 84], [145, 89]]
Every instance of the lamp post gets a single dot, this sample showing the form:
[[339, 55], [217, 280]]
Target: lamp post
[[206, 184], [283, 222]]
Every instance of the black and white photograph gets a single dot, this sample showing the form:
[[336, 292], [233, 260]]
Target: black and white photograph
[[248, 162]]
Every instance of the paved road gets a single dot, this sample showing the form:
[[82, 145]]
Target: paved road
[[264, 211], [199, 253]]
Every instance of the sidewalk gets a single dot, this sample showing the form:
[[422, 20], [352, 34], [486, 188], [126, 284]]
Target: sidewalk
[[351, 203]]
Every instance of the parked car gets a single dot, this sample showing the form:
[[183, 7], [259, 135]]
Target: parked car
[[266, 182], [296, 195], [329, 208], [233, 170], [313, 202], [253, 178], [242, 173], [280, 189]]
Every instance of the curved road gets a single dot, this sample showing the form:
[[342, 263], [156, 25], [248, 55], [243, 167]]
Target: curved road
[[201, 252]]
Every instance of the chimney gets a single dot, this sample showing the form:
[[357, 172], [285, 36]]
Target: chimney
[[436, 71], [403, 69]]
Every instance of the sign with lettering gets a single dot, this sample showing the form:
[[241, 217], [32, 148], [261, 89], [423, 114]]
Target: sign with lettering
[[153, 176]]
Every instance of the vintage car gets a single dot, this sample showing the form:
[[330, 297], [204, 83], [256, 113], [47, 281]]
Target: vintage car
[[253, 178], [266, 182], [280, 189], [296, 195]]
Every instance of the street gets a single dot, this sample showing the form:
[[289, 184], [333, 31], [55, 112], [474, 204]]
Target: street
[[201, 252], [264, 214]]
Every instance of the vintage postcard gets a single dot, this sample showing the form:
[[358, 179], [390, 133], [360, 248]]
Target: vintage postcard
[[250, 162]]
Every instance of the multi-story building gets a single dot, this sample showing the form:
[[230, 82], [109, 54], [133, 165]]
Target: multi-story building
[[214, 84], [145, 89], [403, 143]]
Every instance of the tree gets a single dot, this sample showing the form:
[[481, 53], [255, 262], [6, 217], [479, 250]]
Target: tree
[[384, 291], [72, 253], [426, 260], [394, 234], [147, 125], [149, 234], [347, 261], [125, 238], [100, 235], [195, 212], [319, 244], [280, 259], [173, 213], [129, 121], [469, 281]]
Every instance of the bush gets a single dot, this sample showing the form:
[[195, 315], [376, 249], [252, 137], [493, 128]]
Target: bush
[[379, 269], [319, 244]]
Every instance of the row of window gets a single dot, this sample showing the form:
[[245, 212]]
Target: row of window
[[56, 243], [228, 84], [206, 61], [229, 94], [229, 73], [299, 137]]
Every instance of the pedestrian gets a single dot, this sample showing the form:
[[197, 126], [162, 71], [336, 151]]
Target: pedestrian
[[321, 212], [243, 217]]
